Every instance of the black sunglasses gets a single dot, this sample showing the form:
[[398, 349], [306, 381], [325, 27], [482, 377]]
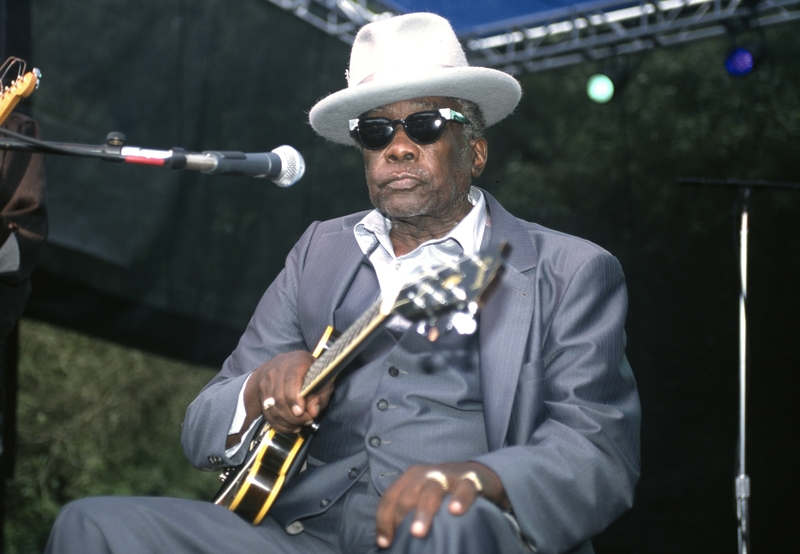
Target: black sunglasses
[[375, 133]]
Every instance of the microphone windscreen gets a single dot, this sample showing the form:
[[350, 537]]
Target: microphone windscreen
[[293, 166]]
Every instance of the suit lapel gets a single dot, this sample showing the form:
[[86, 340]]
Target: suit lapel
[[333, 262], [505, 323]]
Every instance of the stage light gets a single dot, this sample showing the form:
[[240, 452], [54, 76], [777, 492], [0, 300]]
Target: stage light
[[740, 61], [600, 88]]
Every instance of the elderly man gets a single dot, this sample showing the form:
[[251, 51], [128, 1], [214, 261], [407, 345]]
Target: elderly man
[[521, 437]]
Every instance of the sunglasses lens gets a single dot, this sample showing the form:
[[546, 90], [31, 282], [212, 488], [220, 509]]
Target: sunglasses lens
[[375, 133], [425, 127]]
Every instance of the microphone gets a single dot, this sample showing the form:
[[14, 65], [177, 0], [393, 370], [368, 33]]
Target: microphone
[[284, 165]]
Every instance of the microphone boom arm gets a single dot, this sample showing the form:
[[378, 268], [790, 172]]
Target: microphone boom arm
[[284, 165]]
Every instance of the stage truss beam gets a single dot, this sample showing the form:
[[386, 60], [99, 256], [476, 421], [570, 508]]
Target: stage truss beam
[[340, 18], [581, 33]]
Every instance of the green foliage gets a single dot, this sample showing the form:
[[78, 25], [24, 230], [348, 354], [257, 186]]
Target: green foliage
[[96, 419]]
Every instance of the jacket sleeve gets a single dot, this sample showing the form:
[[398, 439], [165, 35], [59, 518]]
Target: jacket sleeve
[[23, 222], [23, 206], [274, 328], [571, 462]]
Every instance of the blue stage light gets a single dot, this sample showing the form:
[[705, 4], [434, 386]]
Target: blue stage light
[[740, 62]]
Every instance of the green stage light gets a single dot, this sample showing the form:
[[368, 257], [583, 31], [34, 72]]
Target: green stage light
[[600, 88]]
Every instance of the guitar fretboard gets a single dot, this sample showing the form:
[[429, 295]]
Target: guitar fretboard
[[337, 353]]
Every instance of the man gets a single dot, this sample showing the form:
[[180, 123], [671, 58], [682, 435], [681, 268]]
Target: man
[[23, 231], [521, 437]]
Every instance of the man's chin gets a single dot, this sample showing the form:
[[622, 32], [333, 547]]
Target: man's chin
[[401, 208], [402, 212]]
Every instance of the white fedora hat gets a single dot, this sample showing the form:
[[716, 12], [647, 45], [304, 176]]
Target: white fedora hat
[[406, 57]]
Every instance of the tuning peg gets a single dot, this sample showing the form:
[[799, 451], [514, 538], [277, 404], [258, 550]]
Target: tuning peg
[[463, 323], [428, 329]]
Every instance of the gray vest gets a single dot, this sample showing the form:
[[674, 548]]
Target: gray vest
[[402, 401]]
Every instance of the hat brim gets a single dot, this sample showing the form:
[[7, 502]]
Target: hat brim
[[495, 92]]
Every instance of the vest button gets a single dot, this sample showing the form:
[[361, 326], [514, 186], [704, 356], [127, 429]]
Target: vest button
[[393, 371], [324, 502], [295, 528], [375, 441], [353, 473], [382, 404]]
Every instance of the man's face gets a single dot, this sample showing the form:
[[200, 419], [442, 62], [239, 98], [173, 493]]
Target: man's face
[[408, 180]]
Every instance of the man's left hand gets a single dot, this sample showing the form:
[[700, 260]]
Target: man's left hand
[[422, 489]]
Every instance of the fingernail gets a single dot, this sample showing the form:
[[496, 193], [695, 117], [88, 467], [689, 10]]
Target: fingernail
[[455, 506], [296, 410], [417, 527], [383, 542]]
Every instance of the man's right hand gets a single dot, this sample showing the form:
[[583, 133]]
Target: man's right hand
[[273, 390], [276, 390]]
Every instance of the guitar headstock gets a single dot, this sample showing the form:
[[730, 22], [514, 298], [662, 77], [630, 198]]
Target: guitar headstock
[[450, 295], [20, 87]]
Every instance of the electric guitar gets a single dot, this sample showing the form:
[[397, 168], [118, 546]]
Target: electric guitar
[[21, 87], [445, 297]]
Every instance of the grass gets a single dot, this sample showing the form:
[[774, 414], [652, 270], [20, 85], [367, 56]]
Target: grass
[[95, 418]]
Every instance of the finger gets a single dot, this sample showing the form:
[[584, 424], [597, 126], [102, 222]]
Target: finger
[[395, 503], [430, 500], [319, 401], [293, 386], [313, 408], [464, 495], [279, 415], [275, 412], [384, 518], [269, 396]]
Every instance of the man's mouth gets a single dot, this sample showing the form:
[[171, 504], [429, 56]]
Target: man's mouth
[[403, 181]]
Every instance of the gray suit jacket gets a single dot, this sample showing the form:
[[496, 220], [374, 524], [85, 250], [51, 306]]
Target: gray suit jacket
[[560, 402]]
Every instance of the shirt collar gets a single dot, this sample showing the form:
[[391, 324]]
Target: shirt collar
[[374, 228]]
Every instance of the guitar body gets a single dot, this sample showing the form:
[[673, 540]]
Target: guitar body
[[249, 490]]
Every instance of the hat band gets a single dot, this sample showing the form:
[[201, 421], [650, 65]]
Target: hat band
[[379, 74]]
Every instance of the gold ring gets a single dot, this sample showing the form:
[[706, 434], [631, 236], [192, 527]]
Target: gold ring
[[268, 403], [472, 476], [440, 478]]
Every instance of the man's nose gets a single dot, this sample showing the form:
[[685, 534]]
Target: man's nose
[[402, 148]]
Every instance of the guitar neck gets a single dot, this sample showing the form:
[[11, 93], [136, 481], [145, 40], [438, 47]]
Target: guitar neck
[[439, 291], [332, 360]]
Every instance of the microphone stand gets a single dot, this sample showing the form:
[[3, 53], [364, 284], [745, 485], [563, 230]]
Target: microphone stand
[[110, 151], [742, 481], [114, 150], [284, 165]]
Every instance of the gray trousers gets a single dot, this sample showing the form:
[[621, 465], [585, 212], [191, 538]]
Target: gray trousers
[[144, 525]]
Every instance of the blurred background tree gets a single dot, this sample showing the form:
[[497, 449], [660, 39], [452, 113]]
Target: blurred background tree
[[96, 419]]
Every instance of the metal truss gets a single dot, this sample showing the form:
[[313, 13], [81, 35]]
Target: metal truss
[[340, 18], [580, 33], [605, 29]]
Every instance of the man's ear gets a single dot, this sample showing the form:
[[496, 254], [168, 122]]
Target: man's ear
[[480, 153]]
